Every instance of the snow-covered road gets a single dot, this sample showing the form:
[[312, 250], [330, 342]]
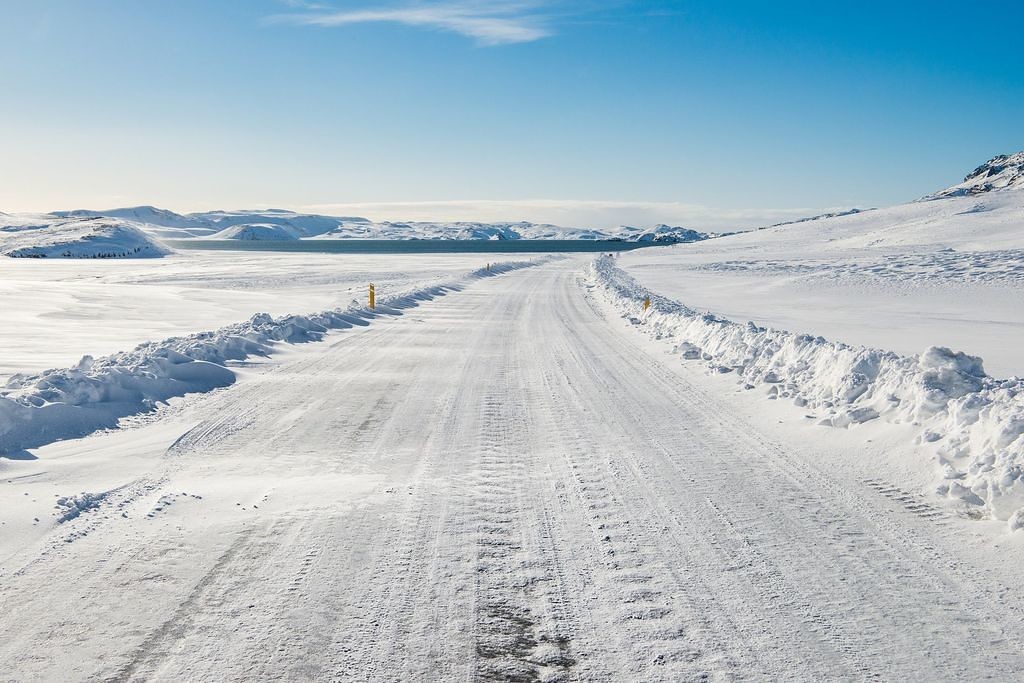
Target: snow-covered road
[[506, 483]]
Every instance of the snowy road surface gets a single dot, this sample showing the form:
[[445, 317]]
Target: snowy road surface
[[503, 484]]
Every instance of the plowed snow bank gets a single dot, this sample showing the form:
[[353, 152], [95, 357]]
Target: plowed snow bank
[[974, 423], [67, 403]]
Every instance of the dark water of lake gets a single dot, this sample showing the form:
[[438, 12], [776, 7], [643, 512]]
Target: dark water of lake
[[410, 246]]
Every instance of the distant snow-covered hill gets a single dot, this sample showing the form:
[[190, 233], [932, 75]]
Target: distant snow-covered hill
[[990, 190], [458, 230], [171, 225], [156, 224], [986, 211], [301, 224], [280, 224], [1005, 171], [259, 232], [662, 234], [139, 214], [834, 214], [77, 238]]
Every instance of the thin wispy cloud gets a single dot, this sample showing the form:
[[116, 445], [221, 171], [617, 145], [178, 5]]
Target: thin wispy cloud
[[304, 4], [487, 23]]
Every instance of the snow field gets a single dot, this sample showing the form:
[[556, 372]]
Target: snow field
[[948, 272], [36, 409], [72, 307], [973, 423]]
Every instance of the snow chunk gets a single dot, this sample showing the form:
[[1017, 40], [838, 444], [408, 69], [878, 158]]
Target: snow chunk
[[1016, 520], [70, 507], [690, 351]]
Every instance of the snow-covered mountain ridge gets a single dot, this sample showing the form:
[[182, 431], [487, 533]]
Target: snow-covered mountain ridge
[[138, 230], [143, 227], [281, 224], [1005, 171]]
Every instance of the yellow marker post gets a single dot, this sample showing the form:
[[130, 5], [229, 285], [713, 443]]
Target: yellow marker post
[[373, 297], [647, 303]]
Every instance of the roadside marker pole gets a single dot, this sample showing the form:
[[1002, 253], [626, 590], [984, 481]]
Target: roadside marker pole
[[373, 297]]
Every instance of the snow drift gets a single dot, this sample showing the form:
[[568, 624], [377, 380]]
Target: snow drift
[[974, 423], [67, 403], [85, 238]]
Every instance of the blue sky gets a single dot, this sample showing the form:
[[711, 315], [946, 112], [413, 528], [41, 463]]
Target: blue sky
[[693, 112]]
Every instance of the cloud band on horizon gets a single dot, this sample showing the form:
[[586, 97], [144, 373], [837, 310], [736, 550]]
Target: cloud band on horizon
[[571, 212]]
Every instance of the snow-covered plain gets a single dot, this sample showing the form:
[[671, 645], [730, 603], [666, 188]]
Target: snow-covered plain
[[56, 311], [948, 272]]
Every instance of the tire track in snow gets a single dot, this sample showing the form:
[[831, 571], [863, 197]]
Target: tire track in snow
[[652, 604], [154, 648], [519, 594]]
